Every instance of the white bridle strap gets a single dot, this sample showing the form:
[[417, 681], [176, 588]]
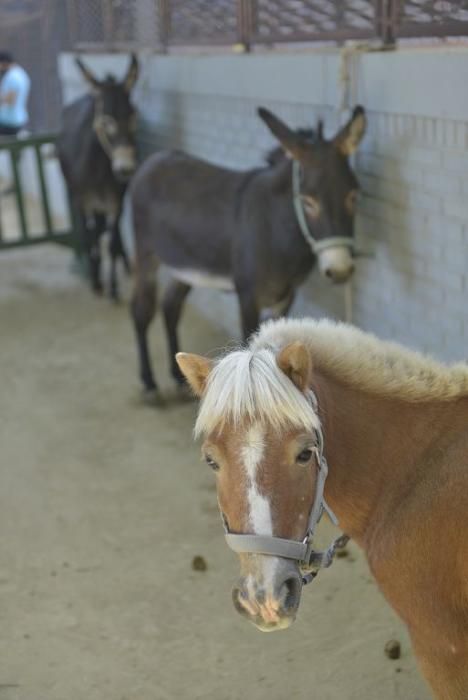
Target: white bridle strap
[[100, 131], [315, 246]]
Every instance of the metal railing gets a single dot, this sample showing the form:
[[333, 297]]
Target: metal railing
[[23, 234], [162, 24]]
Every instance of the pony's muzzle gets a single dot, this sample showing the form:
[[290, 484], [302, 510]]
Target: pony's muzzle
[[336, 263], [269, 607]]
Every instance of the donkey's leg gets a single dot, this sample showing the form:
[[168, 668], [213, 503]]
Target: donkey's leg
[[173, 302], [249, 311], [143, 309], [91, 238], [122, 253], [280, 309], [117, 250], [115, 244], [78, 225]]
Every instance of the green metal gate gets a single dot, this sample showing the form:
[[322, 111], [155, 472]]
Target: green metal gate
[[27, 205]]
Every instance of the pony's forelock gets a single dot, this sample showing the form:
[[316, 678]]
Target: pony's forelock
[[249, 385]]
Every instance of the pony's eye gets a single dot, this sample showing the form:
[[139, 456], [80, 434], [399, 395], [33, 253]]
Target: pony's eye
[[211, 463], [304, 456]]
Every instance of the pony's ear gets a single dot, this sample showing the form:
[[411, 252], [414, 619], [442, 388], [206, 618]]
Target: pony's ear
[[92, 81], [350, 135], [294, 360], [289, 140], [195, 369], [132, 73]]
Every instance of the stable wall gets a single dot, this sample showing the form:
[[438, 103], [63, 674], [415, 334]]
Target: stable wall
[[413, 167]]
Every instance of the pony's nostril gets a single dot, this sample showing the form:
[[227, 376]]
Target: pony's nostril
[[237, 597], [329, 273], [291, 590]]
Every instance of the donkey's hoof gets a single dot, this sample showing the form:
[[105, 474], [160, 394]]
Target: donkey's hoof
[[153, 397]]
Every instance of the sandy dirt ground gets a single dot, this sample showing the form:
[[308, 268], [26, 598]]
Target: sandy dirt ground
[[103, 504]]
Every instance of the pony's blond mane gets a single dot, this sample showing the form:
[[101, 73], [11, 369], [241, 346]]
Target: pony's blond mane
[[364, 361], [248, 385]]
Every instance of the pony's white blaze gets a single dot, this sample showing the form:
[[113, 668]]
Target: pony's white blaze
[[260, 515], [259, 506]]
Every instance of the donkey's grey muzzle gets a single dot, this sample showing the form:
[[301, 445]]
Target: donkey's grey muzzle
[[336, 263], [123, 162]]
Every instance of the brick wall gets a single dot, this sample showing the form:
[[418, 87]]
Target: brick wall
[[413, 167]]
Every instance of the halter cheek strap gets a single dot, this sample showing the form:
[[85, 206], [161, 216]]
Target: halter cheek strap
[[100, 129], [310, 561], [315, 245]]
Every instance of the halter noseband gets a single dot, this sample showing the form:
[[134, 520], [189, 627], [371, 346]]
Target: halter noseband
[[315, 245], [310, 561]]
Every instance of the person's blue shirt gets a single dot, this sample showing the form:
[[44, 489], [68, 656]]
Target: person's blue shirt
[[16, 81]]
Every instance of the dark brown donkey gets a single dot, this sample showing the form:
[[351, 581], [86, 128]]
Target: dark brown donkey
[[258, 233], [96, 149]]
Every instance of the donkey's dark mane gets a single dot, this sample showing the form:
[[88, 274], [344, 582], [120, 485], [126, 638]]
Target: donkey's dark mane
[[249, 176], [276, 154], [273, 158]]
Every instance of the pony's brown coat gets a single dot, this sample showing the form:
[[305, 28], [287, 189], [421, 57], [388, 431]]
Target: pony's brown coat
[[398, 480]]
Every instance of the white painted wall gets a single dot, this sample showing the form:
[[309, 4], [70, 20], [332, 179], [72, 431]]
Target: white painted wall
[[413, 166]]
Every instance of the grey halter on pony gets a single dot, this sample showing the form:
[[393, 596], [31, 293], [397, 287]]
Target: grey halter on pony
[[310, 561]]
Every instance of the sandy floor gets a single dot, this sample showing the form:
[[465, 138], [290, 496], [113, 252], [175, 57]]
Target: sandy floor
[[104, 503]]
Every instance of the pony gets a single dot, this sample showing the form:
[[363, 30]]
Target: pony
[[97, 153], [316, 415], [258, 233]]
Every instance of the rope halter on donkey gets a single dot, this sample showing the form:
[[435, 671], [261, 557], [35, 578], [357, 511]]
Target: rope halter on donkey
[[309, 560], [316, 246]]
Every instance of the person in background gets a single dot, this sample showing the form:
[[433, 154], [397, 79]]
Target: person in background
[[14, 92]]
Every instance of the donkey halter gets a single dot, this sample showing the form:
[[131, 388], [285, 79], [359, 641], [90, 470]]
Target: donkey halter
[[315, 245], [310, 561], [100, 131]]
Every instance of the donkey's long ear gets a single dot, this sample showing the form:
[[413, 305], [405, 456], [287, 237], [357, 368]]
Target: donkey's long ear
[[132, 73], [289, 140], [92, 81], [195, 369], [349, 137], [294, 360]]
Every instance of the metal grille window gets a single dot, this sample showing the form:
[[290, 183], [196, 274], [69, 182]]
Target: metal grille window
[[427, 18], [113, 24], [280, 21], [201, 21]]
